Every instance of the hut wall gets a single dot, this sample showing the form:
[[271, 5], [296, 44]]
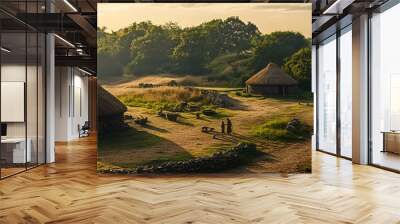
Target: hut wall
[[271, 90]]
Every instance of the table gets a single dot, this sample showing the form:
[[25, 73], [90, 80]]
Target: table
[[15, 148], [391, 141]]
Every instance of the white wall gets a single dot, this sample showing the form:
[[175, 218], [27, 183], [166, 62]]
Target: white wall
[[15, 73], [33, 126], [62, 81], [71, 102]]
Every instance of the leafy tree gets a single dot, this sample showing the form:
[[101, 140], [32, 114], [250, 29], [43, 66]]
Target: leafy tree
[[124, 38], [151, 53], [106, 53], [190, 54], [237, 35], [228, 36], [226, 51], [275, 47], [198, 46], [299, 67]]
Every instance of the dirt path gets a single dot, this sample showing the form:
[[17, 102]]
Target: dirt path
[[186, 135]]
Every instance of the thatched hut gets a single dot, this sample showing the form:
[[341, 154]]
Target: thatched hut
[[110, 110], [271, 80]]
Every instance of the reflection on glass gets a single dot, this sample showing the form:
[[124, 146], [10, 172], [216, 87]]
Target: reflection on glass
[[385, 89], [327, 96], [14, 153], [41, 99], [346, 93], [31, 97]]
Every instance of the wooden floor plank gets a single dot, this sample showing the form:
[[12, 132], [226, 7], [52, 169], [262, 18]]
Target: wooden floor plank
[[70, 191]]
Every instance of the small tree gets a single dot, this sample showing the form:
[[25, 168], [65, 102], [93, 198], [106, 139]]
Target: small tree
[[275, 47], [299, 67]]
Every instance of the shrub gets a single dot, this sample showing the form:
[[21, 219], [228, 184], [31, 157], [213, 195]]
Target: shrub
[[209, 112], [283, 130], [171, 116], [243, 94], [141, 120]]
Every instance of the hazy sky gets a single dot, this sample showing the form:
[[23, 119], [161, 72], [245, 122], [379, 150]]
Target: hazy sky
[[267, 17]]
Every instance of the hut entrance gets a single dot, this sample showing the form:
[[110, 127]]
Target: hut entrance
[[283, 90]]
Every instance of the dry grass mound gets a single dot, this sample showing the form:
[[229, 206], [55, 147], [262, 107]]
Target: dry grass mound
[[175, 99]]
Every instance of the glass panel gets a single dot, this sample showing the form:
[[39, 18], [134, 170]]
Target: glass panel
[[385, 89], [346, 92], [31, 98], [41, 99], [23, 90], [13, 79], [327, 96]]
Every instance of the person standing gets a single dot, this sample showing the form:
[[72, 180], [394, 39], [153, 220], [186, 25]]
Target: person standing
[[228, 126], [223, 127]]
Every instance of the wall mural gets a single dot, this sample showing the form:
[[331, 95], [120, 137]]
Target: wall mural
[[204, 88]]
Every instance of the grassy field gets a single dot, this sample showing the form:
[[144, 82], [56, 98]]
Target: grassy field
[[255, 119]]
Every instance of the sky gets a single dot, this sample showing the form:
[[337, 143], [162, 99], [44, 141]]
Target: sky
[[268, 17]]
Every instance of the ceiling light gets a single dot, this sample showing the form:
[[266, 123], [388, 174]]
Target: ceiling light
[[84, 71], [70, 5], [5, 50], [64, 40], [337, 7]]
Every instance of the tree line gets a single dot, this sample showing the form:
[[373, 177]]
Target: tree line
[[227, 50]]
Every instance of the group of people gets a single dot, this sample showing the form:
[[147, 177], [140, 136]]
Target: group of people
[[228, 126]]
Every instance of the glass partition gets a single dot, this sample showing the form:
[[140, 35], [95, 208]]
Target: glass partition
[[31, 98], [385, 89], [41, 97], [14, 153], [327, 95], [345, 58], [22, 98]]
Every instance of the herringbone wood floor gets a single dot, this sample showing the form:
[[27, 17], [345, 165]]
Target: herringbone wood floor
[[69, 191]]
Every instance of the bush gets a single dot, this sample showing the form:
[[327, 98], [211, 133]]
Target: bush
[[171, 116], [209, 112], [242, 94], [299, 67], [141, 120], [283, 130]]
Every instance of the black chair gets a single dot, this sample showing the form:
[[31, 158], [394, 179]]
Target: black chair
[[84, 130]]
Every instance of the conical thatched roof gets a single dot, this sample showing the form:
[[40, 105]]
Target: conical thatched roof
[[108, 105], [271, 75]]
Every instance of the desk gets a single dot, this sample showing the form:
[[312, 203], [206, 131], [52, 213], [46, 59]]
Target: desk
[[391, 141], [14, 149]]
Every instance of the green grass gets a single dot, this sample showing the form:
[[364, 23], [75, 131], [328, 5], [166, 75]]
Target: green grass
[[243, 94], [216, 148], [134, 101], [181, 156], [130, 139], [219, 112], [275, 129], [126, 139]]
